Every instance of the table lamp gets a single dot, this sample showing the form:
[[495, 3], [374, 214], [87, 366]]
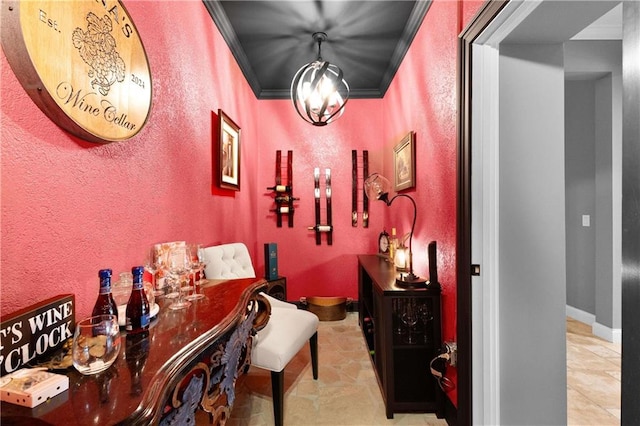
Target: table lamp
[[377, 187]]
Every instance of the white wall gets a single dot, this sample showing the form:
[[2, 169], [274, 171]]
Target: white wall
[[580, 186], [532, 236], [598, 65]]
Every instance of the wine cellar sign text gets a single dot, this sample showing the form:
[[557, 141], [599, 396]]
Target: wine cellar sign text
[[82, 62]]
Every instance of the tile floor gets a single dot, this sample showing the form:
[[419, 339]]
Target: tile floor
[[593, 377], [346, 392]]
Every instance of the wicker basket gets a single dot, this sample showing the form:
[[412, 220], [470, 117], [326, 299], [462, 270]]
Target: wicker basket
[[327, 308]]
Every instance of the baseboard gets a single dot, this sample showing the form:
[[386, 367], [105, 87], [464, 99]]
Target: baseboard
[[609, 334], [613, 335], [580, 315]]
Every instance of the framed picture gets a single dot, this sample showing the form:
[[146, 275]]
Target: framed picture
[[404, 163], [228, 153]]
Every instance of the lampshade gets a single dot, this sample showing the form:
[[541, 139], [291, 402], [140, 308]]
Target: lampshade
[[377, 187], [318, 91], [401, 258]]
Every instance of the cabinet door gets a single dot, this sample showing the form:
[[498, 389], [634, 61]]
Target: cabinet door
[[365, 310], [415, 321], [416, 339]]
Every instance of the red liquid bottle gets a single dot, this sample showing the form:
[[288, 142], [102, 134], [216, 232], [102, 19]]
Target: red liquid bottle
[[105, 305], [138, 305]]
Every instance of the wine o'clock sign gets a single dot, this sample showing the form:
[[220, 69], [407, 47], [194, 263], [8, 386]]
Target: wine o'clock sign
[[82, 62]]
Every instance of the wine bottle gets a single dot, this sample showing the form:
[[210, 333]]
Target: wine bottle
[[283, 209], [285, 199], [393, 244], [105, 305], [138, 305], [367, 325], [321, 228], [279, 188]]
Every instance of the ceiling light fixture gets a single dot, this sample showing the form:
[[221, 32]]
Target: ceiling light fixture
[[318, 91]]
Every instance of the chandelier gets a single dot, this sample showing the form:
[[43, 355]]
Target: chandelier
[[318, 91]]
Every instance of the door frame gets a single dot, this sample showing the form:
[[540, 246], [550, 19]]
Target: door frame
[[630, 383], [478, 24]]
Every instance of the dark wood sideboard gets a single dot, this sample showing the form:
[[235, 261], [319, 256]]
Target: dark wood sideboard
[[400, 360], [189, 361]]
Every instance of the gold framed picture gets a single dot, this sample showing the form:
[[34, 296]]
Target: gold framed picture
[[404, 163]]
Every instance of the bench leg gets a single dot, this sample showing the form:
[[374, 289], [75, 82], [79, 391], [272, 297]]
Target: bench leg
[[313, 343], [277, 392]]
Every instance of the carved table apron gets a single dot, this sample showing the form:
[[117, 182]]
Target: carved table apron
[[190, 360]]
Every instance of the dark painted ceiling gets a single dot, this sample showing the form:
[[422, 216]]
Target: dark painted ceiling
[[272, 39]]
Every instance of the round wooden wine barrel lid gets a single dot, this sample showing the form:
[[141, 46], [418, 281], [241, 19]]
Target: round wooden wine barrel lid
[[83, 64]]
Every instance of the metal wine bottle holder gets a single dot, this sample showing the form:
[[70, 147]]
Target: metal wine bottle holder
[[320, 228], [283, 194]]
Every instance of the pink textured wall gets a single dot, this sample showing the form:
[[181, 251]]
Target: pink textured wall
[[318, 270], [70, 207], [422, 98]]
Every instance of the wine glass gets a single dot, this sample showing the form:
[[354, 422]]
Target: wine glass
[[193, 267], [152, 266], [178, 270], [426, 316], [409, 318], [202, 263], [397, 329]]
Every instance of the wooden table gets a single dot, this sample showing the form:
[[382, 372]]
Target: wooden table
[[189, 360]]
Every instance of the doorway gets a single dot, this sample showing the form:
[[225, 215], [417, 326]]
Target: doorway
[[515, 301]]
